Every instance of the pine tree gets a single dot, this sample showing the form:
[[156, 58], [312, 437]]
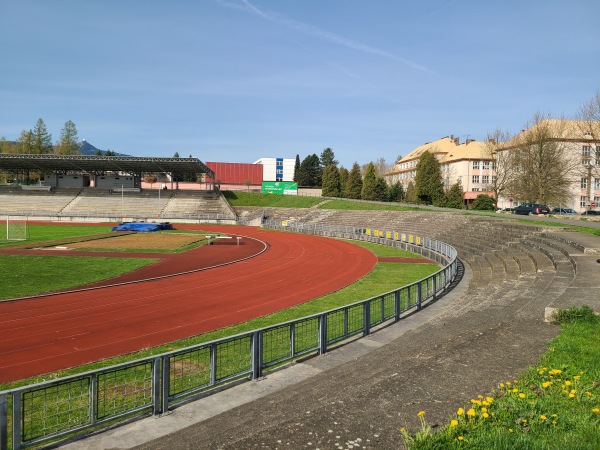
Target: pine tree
[[343, 180], [411, 195], [369, 185], [68, 140], [354, 182], [396, 192], [297, 169], [428, 180], [310, 171], [41, 139], [455, 196], [328, 158], [331, 181]]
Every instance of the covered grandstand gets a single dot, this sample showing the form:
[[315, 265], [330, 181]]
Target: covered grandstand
[[76, 187]]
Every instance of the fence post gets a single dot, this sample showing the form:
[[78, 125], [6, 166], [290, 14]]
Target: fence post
[[419, 298], [16, 421], [256, 355], [366, 317], [397, 305], [3, 422], [322, 334], [156, 387], [165, 384]]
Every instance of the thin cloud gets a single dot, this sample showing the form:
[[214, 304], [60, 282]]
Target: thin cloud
[[313, 31]]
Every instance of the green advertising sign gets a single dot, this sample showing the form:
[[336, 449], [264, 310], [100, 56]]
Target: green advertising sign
[[280, 187]]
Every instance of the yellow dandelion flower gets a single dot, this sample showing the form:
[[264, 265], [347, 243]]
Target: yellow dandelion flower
[[521, 395], [475, 402], [588, 393], [554, 415], [501, 385], [471, 412], [576, 377], [554, 422], [546, 384], [508, 383], [402, 430], [485, 403], [543, 417], [515, 390], [571, 395], [573, 391], [489, 399], [567, 383], [596, 410], [460, 438], [485, 415], [510, 430], [454, 423], [483, 410], [555, 372], [421, 413], [460, 412]]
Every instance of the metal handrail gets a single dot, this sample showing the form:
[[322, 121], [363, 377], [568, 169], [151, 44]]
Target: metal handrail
[[73, 405]]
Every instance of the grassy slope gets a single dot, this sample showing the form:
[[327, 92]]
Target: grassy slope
[[554, 405]]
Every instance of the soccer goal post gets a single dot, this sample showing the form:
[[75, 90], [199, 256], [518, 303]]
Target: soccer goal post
[[16, 228]]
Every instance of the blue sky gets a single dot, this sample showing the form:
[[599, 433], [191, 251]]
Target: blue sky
[[236, 80]]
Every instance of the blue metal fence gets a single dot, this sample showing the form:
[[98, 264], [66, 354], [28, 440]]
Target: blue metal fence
[[57, 409]]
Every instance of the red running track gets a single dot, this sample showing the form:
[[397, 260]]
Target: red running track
[[46, 334]]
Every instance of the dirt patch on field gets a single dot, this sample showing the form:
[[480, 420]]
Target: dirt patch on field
[[141, 241]]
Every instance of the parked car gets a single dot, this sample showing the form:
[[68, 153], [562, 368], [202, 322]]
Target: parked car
[[531, 208], [591, 212], [564, 211]]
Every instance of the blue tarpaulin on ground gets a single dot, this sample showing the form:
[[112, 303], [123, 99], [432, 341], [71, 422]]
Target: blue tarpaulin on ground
[[143, 226]]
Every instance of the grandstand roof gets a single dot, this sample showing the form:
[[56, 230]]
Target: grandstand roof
[[95, 164]]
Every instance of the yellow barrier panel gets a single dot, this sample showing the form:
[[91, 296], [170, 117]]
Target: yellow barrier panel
[[418, 240], [395, 235], [284, 223], [388, 234], [411, 239], [403, 237], [368, 232]]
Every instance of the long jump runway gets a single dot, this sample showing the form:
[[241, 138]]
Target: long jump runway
[[46, 334]]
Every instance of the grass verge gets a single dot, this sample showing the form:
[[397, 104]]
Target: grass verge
[[237, 198], [554, 405]]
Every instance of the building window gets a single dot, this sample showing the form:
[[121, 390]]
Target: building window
[[475, 179], [486, 165], [597, 183], [492, 179], [493, 165], [475, 190], [586, 162], [582, 201], [584, 183], [485, 179], [586, 150], [475, 164]]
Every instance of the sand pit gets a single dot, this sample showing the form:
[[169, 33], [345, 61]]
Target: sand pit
[[141, 241]]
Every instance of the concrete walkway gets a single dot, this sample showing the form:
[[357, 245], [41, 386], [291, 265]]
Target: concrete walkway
[[485, 331]]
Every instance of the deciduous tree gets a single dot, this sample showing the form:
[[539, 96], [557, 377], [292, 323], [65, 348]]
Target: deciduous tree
[[544, 163]]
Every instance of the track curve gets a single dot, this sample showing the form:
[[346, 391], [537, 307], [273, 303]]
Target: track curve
[[46, 334]]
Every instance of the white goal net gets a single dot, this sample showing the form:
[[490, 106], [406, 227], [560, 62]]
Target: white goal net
[[16, 228]]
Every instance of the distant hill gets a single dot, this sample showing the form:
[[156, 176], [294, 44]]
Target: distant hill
[[88, 149]]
